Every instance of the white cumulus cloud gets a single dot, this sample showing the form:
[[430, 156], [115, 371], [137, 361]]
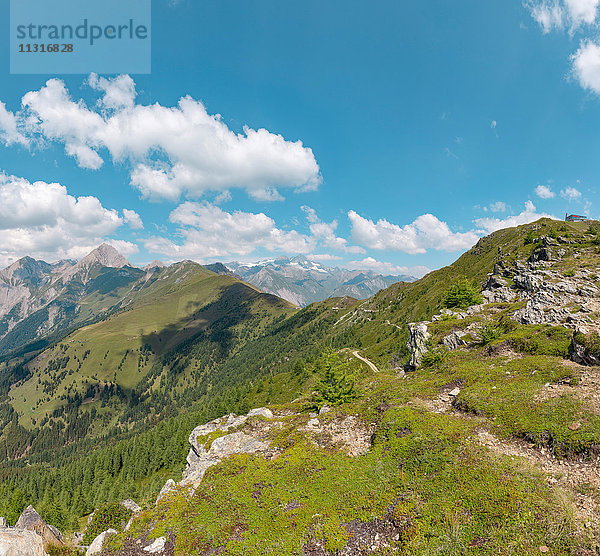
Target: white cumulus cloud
[[586, 66], [324, 232], [119, 92], [133, 219], [570, 193], [9, 132], [426, 232], [544, 192], [498, 206], [529, 214], [172, 151], [42, 220], [208, 231], [552, 14], [549, 15], [582, 11]]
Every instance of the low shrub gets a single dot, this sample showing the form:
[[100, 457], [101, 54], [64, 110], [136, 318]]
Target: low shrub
[[490, 332], [436, 357], [462, 294], [111, 516], [529, 238]]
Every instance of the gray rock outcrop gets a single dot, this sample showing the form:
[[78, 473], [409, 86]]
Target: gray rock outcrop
[[215, 441], [582, 354], [170, 486], [496, 289], [131, 505], [30, 520], [200, 459], [454, 340], [261, 412], [417, 342], [20, 542]]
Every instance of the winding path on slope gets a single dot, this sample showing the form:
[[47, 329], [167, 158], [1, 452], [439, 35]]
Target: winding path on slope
[[369, 363]]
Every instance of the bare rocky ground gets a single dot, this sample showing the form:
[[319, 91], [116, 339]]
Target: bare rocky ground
[[136, 547], [373, 537]]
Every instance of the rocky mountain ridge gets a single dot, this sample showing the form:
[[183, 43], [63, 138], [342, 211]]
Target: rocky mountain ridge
[[39, 300], [302, 281]]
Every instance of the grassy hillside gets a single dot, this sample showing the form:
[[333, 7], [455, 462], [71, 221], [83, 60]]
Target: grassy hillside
[[136, 367], [505, 465], [490, 448]]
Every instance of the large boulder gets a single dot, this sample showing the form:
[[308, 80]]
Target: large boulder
[[261, 412], [30, 520], [19, 542], [417, 343], [200, 459], [96, 546], [454, 340]]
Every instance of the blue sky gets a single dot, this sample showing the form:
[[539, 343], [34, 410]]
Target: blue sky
[[423, 125]]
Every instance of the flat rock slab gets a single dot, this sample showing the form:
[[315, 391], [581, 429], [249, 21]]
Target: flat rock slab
[[17, 542]]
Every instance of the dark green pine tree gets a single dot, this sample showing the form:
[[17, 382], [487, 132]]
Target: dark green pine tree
[[333, 387]]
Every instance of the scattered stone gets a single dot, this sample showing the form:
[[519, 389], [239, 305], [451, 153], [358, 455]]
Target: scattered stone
[[293, 505], [131, 505], [3, 524], [157, 546], [262, 412], [575, 426], [20, 542], [96, 546], [313, 423], [77, 538], [324, 409], [454, 392], [544, 548]]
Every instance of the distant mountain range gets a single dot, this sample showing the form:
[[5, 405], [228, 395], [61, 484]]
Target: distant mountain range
[[39, 301], [302, 281]]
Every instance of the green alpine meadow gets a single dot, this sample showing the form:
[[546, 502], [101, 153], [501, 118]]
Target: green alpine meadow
[[457, 414]]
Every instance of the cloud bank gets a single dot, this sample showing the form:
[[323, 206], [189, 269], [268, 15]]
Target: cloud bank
[[171, 151], [43, 221]]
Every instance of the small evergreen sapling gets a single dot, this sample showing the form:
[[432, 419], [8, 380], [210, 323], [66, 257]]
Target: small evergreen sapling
[[333, 387], [462, 294]]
